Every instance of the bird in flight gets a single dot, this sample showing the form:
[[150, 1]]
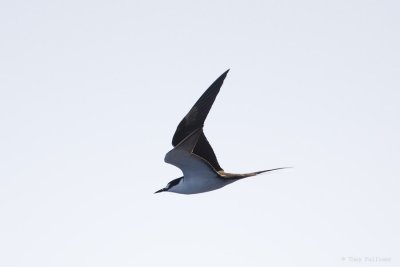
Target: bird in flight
[[193, 154]]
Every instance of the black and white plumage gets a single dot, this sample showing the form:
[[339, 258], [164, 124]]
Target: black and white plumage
[[193, 154]]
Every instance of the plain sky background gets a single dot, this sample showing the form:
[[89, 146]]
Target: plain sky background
[[91, 93]]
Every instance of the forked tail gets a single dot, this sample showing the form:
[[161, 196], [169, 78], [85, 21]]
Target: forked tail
[[226, 175], [255, 173]]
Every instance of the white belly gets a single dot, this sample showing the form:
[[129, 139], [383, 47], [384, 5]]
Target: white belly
[[199, 184]]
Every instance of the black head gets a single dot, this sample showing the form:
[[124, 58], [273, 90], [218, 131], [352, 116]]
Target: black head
[[170, 185]]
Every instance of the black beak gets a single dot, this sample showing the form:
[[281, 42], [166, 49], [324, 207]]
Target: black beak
[[159, 191]]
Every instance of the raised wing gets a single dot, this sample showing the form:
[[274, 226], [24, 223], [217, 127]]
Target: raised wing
[[195, 120]]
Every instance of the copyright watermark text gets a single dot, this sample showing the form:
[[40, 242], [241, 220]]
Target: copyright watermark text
[[349, 259]]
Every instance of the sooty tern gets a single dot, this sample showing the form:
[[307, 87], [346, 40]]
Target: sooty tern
[[193, 154]]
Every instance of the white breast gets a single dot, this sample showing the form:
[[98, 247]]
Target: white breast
[[198, 184]]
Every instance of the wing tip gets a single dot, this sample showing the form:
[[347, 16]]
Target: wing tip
[[225, 73], [219, 81]]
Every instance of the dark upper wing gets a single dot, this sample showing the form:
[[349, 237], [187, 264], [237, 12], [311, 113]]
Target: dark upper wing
[[198, 113], [195, 120], [204, 150]]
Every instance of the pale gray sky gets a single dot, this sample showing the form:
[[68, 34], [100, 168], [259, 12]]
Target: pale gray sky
[[91, 93]]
